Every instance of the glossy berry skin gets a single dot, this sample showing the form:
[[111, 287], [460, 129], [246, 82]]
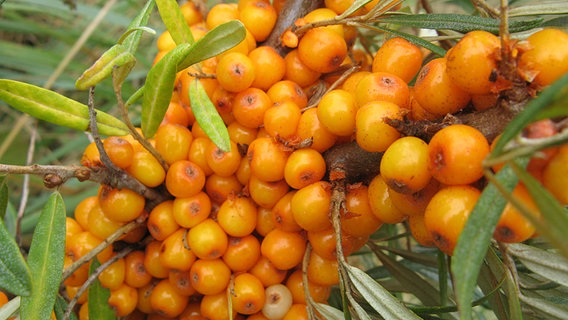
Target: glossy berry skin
[[284, 249], [237, 216], [372, 132], [382, 86], [311, 206], [304, 167], [322, 50], [235, 72], [400, 57], [248, 294], [185, 179], [207, 240], [513, 226], [336, 111], [446, 214], [209, 276]]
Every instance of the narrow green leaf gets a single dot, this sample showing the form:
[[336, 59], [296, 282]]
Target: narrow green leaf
[[60, 307], [413, 39], [175, 23], [14, 273], [207, 116], [46, 260], [329, 312], [98, 298], [356, 5], [378, 297], [117, 56], [410, 280], [132, 41], [220, 39], [558, 7], [457, 22], [544, 263], [159, 88], [53, 107], [558, 91], [3, 196], [512, 294], [475, 238]]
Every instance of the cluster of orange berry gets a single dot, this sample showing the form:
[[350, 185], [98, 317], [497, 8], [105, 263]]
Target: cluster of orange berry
[[239, 223]]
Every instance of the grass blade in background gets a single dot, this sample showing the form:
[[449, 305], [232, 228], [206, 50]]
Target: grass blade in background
[[45, 260], [53, 107], [175, 23], [207, 116], [98, 298], [475, 239]]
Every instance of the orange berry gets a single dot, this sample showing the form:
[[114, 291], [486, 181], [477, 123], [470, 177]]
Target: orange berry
[[161, 222], [72, 227], [220, 188], [221, 13], [197, 152], [249, 107], [288, 90], [264, 221], [322, 50], [359, 220], [266, 58], [399, 57], [415, 203], [207, 240], [241, 134], [304, 167], [216, 307], [436, 92], [295, 283], [282, 215], [136, 275], [166, 301], [336, 111], [311, 206], [191, 13], [382, 86], [242, 253], [175, 252], [84, 242], [513, 226], [152, 262], [419, 232], [267, 159], [381, 203], [447, 213], [82, 210], [456, 153], [223, 163], [259, 17], [119, 150], [325, 245], [266, 194], [297, 71], [372, 132], [181, 282], [297, 312], [310, 127], [188, 212], [185, 179], [91, 156], [235, 72], [237, 216], [123, 300], [472, 62], [555, 177], [122, 205], [100, 225], [173, 142], [146, 169], [209, 276], [266, 272], [323, 271], [281, 120], [113, 276], [247, 294], [284, 249]]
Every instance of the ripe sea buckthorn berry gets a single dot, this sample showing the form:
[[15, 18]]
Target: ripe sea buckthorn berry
[[371, 131], [249, 107], [190, 211], [242, 253], [381, 203], [123, 300], [119, 150], [322, 49], [295, 284], [241, 134], [323, 271], [419, 231], [237, 216], [321, 14], [216, 307], [243, 173], [304, 167], [473, 60], [91, 156], [297, 71], [223, 163], [197, 131], [161, 222], [288, 90], [173, 142], [209, 276], [264, 221], [278, 301], [336, 111], [456, 153], [382, 86], [122, 205], [235, 72], [267, 159], [545, 60], [284, 249], [350, 84], [266, 194], [72, 293], [266, 272], [79, 276], [207, 240], [223, 100], [165, 42], [259, 17], [282, 215], [192, 311], [144, 293], [310, 206], [181, 282], [152, 262], [415, 203], [72, 227], [175, 252], [446, 214], [310, 127], [166, 301], [297, 312], [185, 179], [136, 274], [247, 294], [100, 225], [404, 165], [84, 242], [82, 210], [113, 276], [325, 245], [3, 298], [436, 92], [197, 152], [359, 219], [191, 13], [555, 175], [177, 114], [399, 57], [281, 120], [266, 58], [220, 188], [513, 226], [221, 13], [146, 169]]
